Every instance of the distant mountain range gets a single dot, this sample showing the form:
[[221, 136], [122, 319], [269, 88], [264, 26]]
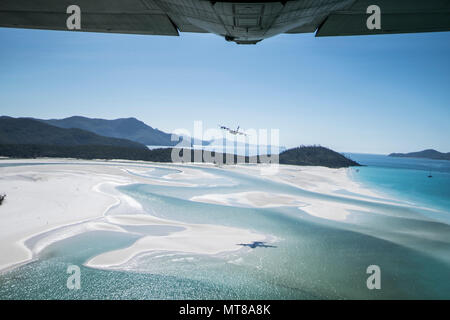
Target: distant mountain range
[[426, 154], [131, 129], [125, 128], [33, 138], [28, 131]]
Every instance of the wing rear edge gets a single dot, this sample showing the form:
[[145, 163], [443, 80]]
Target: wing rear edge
[[132, 16], [400, 16]]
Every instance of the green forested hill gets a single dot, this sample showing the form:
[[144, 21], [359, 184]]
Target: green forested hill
[[32, 132], [315, 156]]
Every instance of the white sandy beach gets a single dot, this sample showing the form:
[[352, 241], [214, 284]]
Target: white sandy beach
[[43, 199]]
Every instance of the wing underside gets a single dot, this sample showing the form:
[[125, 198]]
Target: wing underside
[[397, 16], [115, 16], [245, 22]]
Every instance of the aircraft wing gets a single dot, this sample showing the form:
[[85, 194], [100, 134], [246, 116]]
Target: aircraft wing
[[244, 22], [115, 16], [397, 16]]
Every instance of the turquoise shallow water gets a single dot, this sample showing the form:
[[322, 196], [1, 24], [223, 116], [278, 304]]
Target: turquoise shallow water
[[407, 178], [311, 258]]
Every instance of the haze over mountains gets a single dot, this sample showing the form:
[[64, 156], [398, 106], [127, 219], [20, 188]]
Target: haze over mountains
[[131, 129], [124, 128]]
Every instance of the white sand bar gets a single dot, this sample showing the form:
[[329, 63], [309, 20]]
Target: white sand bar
[[47, 195], [195, 238], [256, 199]]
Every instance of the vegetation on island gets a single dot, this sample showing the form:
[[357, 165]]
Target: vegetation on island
[[302, 156], [315, 156], [19, 131]]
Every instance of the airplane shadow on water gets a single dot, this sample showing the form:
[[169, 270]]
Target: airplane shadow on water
[[255, 244]]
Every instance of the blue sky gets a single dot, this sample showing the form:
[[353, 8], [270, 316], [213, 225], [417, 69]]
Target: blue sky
[[375, 94]]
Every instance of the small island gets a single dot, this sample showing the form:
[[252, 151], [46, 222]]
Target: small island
[[425, 154], [316, 156]]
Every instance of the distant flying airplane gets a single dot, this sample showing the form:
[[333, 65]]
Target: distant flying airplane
[[235, 132], [241, 21]]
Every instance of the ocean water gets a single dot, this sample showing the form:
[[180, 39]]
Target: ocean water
[[407, 179], [309, 257]]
